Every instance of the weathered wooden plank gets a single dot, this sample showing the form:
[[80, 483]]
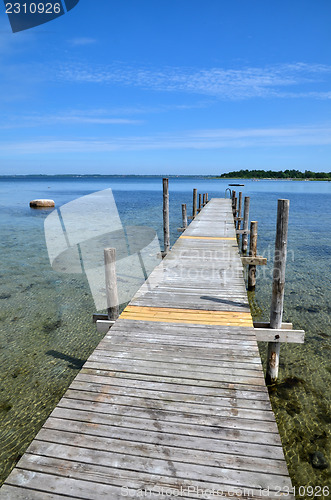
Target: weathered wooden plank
[[281, 335], [180, 381], [164, 371], [206, 437], [169, 462], [197, 330], [9, 492], [62, 485], [225, 342], [264, 324], [153, 444], [146, 354], [222, 427], [142, 482], [222, 408], [254, 261], [95, 385], [244, 398]]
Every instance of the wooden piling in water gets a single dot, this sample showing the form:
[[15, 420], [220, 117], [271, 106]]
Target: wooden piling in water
[[199, 209], [278, 285], [244, 240], [111, 283], [239, 209], [234, 209], [252, 253], [184, 216], [234, 203], [195, 202], [166, 232]]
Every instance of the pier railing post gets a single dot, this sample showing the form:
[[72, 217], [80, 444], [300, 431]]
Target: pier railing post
[[199, 209], [111, 283], [166, 232], [244, 240], [195, 202], [278, 285], [184, 216], [252, 253]]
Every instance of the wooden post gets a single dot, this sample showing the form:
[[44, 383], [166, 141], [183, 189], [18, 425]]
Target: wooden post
[[184, 216], [207, 198], [234, 210], [234, 204], [204, 199], [233, 196], [195, 202], [111, 283], [278, 285], [166, 215], [199, 209], [244, 240], [239, 209], [252, 253]]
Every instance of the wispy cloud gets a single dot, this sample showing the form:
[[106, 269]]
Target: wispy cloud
[[92, 117], [98, 116], [198, 139], [234, 84], [81, 41]]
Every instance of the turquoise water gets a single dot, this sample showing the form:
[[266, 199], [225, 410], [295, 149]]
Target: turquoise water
[[46, 331]]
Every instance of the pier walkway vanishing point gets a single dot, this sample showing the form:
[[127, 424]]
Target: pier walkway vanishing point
[[173, 400]]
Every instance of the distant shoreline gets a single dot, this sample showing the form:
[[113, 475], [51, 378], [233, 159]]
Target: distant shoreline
[[328, 179], [159, 176], [286, 175]]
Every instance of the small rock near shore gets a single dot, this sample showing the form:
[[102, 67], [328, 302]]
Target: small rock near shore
[[42, 203], [318, 460]]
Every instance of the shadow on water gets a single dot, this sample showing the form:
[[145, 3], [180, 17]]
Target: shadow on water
[[75, 363]]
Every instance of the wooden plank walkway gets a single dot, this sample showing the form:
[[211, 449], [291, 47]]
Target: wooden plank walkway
[[173, 400]]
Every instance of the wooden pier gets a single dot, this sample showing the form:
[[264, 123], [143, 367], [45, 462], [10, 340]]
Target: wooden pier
[[172, 403]]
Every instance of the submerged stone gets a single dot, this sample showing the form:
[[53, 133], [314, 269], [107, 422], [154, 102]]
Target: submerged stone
[[318, 460]]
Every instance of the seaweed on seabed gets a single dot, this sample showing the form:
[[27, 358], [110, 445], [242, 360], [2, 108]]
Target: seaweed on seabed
[[5, 406], [281, 388]]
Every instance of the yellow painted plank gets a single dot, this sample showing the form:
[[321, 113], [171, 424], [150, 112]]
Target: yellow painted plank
[[208, 238], [241, 323], [176, 315], [181, 310]]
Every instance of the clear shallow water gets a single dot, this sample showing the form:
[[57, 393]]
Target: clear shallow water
[[45, 316]]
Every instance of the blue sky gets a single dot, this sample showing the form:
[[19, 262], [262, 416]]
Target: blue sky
[[168, 87]]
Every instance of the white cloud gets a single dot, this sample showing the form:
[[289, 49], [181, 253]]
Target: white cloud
[[223, 83], [198, 139]]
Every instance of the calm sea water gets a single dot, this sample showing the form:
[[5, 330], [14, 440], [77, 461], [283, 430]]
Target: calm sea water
[[46, 332]]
